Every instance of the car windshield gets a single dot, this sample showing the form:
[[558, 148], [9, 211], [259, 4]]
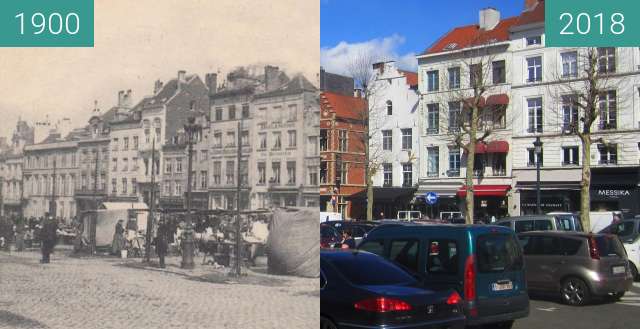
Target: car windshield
[[498, 253], [610, 246], [379, 272], [327, 232]]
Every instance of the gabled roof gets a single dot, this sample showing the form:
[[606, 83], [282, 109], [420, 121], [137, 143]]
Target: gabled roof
[[472, 35], [297, 85], [166, 93], [534, 15], [346, 107], [412, 78]]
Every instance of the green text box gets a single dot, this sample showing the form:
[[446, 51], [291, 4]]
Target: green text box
[[61, 23], [590, 23]]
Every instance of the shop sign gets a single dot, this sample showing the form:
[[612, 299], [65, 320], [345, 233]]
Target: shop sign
[[614, 193]]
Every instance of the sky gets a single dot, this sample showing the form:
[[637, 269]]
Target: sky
[[396, 30], [138, 42]]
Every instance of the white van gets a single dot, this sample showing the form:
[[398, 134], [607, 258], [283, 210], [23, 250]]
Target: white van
[[629, 232]]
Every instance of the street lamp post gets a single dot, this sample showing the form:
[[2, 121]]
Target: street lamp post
[[338, 174], [538, 151], [192, 130]]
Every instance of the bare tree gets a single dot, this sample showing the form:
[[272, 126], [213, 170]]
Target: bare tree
[[585, 99], [471, 118]]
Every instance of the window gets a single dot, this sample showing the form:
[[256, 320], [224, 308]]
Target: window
[[203, 179], [125, 164], [262, 173], [277, 143], [204, 155], [499, 72], [433, 81], [114, 145], [342, 172], [312, 146], [179, 165], [606, 60], [535, 40], [293, 112], [323, 140], [433, 118], [373, 246], [323, 172], [608, 110], [342, 140], [292, 138], [291, 173], [218, 114], [134, 186], [245, 111], [433, 161], [570, 156], [147, 131], [313, 175], [232, 112], [125, 142], [387, 140], [167, 188], [389, 108], [454, 78], [497, 253], [157, 124], [84, 182], [231, 139], [499, 164], [407, 138], [442, 257], [387, 170], [534, 69], [535, 114], [534, 158], [230, 171], [217, 172], [114, 186], [475, 75], [217, 140], [454, 116], [135, 142], [114, 161], [275, 169], [569, 113], [244, 138], [124, 186], [405, 253], [407, 174], [569, 64], [244, 173], [608, 153], [454, 162], [178, 188]]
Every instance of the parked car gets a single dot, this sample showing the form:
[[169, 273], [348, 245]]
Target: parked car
[[628, 230], [358, 229], [328, 236], [540, 223], [577, 266], [569, 221], [362, 290], [483, 263]]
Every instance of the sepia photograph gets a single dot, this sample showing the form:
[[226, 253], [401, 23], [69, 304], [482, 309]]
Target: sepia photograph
[[168, 176]]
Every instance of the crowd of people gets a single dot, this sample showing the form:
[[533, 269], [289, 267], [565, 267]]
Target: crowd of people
[[25, 233]]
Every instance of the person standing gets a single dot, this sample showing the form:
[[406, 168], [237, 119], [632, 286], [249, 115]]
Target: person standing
[[161, 241], [118, 238], [49, 238], [347, 240], [20, 228]]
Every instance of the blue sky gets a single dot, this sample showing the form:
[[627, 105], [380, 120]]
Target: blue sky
[[396, 29]]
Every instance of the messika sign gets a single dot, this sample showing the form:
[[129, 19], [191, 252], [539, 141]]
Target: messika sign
[[614, 193]]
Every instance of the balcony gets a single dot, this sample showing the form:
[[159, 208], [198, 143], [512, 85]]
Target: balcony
[[453, 173], [432, 174], [499, 172]]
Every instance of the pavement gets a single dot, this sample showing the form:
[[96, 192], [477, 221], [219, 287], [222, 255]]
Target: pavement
[[108, 292], [550, 313]]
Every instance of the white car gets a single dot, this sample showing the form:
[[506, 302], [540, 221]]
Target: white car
[[629, 232]]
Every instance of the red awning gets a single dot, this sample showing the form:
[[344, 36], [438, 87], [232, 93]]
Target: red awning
[[500, 99], [498, 147], [481, 148], [469, 102], [485, 190]]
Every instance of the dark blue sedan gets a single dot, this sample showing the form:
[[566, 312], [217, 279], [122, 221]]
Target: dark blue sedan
[[362, 290]]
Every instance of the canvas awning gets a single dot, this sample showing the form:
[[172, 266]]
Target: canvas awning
[[498, 147], [481, 148], [124, 206], [485, 190], [500, 99]]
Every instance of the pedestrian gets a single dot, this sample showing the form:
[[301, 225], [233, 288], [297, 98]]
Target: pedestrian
[[161, 241], [20, 228], [347, 240], [118, 238], [48, 237]]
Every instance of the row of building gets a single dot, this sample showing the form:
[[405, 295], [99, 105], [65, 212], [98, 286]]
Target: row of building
[[122, 154], [413, 115]]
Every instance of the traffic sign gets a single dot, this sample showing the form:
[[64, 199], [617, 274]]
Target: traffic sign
[[431, 198]]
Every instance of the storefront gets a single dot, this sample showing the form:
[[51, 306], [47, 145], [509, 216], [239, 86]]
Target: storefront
[[615, 189], [489, 201], [554, 196]]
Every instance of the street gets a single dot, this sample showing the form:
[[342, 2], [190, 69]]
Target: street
[[107, 292], [548, 313]]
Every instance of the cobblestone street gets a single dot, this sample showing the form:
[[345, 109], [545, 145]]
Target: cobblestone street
[[107, 292]]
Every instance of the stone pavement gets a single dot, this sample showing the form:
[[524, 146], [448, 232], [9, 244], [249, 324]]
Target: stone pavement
[[106, 292]]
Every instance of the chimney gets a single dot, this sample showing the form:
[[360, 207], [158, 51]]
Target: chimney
[[271, 78], [530, 4], [489, 18], [357, 93], [157, 87], [379, 67], [127, 99], [211, 79], [121, 98], [181, 79]]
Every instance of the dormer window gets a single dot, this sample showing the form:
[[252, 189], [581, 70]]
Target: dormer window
[[389, 108]]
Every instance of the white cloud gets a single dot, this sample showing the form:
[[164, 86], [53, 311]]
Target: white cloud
[[337, 59]]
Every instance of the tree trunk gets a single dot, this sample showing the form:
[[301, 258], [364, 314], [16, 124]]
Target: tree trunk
[[469, 200], [585, 186]]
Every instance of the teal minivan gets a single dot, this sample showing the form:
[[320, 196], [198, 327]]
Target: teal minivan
[[483, 263]]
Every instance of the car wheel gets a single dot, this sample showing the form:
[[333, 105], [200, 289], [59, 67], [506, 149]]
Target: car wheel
[[634, 271], [575, 292], [326, 323]]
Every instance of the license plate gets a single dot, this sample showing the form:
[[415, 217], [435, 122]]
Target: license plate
[[502, 286], [618, 270]]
